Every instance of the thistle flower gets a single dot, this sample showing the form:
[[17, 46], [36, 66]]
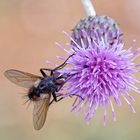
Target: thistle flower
[[101, 69], [96, 28]]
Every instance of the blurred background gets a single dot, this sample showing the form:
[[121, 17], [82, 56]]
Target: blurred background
[[28, 32]]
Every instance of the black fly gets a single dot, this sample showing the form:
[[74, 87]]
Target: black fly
[[40, 89]]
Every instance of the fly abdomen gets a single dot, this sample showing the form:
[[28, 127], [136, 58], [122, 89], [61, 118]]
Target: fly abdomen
[[34, 94]]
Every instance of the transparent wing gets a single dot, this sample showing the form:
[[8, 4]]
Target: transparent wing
[[40, 112], [20, 78]]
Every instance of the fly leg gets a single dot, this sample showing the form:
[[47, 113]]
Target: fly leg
[[63, 64], [56, 101], [55, 98], [57, 68], [44, 69]]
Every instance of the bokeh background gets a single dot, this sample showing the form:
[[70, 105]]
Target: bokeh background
[[28, 32]]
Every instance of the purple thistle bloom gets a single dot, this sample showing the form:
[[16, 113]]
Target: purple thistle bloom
[[101, 69]]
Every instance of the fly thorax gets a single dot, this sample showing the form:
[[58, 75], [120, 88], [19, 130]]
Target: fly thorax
[[47, 85]]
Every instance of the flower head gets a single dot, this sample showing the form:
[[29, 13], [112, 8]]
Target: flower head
[[96, 28], [101, 69]]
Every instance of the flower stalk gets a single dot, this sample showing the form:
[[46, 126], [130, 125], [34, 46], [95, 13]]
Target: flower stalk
[[89, 8]]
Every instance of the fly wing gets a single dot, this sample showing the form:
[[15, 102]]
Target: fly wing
[[40, 112], [20, 78]]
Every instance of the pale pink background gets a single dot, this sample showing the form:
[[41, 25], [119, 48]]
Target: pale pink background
[[28, 32]]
